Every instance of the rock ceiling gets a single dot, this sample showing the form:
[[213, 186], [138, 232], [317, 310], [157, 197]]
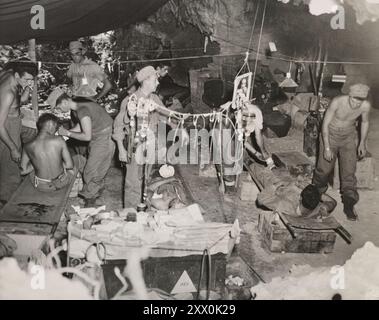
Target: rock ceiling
[[365, 10]]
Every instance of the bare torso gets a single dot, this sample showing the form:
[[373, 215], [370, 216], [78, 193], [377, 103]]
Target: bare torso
[[45, 154], [8, 85], [346, 115]]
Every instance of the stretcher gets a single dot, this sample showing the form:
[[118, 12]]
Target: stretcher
[[31, 216], [330, 223], [304, 234]]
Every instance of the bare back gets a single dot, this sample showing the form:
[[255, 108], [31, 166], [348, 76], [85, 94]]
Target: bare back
[[46, 156]]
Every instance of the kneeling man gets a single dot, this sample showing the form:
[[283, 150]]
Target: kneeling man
[[47, 158]]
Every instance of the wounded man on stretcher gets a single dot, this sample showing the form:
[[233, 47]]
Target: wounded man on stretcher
[[47, 158], [281, 192]]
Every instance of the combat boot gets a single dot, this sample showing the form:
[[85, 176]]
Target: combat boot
[[348, 209]]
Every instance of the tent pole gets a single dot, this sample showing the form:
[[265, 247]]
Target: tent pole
[[32, 56]]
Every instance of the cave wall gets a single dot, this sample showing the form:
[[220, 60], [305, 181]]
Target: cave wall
[[182, 27]]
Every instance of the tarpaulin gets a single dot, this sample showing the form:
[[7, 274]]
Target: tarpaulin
[[70, 19]]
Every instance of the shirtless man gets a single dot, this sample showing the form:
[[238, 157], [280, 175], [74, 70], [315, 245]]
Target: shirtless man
[[48, 156], [15, 84], [339, 136]]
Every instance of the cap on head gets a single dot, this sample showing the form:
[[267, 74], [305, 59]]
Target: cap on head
[[359, 90], [145, 73], [75, 45]]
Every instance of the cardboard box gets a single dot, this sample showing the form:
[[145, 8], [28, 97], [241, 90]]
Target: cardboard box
[[172, 274]]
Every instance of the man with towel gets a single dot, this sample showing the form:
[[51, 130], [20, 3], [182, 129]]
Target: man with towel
[[339, 139]]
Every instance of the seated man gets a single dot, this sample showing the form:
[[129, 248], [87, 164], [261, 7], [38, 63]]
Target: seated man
[[47, 157]]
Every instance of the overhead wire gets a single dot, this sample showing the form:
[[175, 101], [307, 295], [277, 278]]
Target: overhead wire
[[259, 46], [295, 60]]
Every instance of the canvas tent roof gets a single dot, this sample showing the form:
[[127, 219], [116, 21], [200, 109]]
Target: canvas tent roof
[[70, 19]]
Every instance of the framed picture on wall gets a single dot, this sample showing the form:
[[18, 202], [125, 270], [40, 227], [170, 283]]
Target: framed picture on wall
[[242, 89]]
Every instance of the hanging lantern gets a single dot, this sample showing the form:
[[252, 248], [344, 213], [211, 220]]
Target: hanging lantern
[[288, 85]]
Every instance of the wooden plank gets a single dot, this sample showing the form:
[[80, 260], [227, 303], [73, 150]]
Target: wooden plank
[[329, 223], [25, 228], [278, 238]]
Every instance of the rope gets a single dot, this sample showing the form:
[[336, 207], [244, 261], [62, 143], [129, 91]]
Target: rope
[[259, 46], [289, 59], [183, 58], [132, 51], [246, 61], [124, 287], [253, 27]]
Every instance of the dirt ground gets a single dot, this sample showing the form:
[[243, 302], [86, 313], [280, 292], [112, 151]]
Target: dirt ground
[[251, 259]]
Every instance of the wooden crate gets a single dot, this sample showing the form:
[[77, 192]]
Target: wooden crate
[[365, 174], [278, 239]]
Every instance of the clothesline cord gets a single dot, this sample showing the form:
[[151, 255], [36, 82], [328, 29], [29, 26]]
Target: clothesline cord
[[246, 61], [133, 51], [220, 55], [259, 46], [253, 27]]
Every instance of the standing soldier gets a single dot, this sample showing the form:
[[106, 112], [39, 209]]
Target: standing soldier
[[15, 85], [339, 139]]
